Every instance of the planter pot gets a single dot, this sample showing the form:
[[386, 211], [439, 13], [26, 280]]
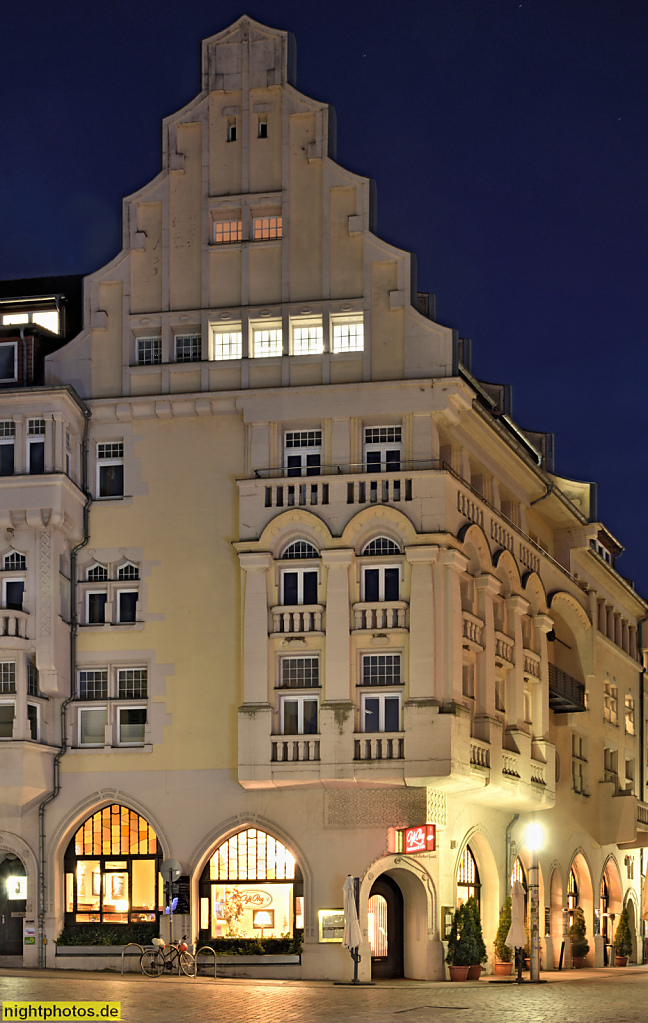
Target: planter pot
[[474, 972], [577, 962], [458, 972], [503, 969], [621, 961]]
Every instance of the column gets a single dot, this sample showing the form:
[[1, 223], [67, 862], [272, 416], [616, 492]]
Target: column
[[487, 587], [449, 657], [542, 625], [516, 608], [20, 725], [255, 626], [59, 442], [421, 622], [20, 443], [338, 636]]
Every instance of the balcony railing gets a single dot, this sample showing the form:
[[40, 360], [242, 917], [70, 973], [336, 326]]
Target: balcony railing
[[294, 750], [383, 746], [566, 693], [472, 628], [479, 753], [297, 618], [531, 663], [13, 623], [354, 469], [384, 615]]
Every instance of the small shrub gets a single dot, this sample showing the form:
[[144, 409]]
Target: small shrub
[[503, 951], [116, 934], [473, 906], [577, 934], [462, 942], [623, 936], [255, 946]]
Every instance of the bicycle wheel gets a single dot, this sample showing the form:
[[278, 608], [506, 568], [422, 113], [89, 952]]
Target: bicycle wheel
[[152, 963], [187, 964]]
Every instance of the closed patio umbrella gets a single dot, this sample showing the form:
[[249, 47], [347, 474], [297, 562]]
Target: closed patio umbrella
[[516, 937], [352, 932], [644, 900]]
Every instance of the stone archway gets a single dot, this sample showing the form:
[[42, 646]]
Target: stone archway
[[585, 899], [557, 916], [13, 905]]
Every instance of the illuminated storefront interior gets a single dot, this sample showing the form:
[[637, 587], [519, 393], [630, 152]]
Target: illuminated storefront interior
[[111, 869], [251, 888]]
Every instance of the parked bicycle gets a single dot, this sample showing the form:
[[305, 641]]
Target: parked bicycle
[[168, 959]]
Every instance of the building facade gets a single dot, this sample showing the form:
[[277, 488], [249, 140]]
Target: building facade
[[291, 581]]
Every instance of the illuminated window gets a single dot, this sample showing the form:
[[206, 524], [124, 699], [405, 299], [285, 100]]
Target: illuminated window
[[251, 872], [348, 334], [629, 715], [307, 339], [468, 882], [266, 342], [227, 342], [111, 868], [267, 228], [572, 896], [225, 232]]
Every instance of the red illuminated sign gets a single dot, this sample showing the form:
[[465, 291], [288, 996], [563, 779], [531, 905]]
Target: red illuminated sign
[[421, 839]]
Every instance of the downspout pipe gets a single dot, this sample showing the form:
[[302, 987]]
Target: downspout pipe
[[74, 624]]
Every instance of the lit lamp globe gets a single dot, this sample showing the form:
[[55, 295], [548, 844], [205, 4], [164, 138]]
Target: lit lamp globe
[[534, 837]]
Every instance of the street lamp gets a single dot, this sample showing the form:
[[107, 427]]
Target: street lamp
[[534, 839]]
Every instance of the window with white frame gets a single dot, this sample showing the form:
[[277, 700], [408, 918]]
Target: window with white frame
[[33, 721], [267, 341], [299, 549], [149, 350], [7, 711], [14, 562], [303, 452], [97, 573], [96, 607], [124, 712], [381, 670], [299, 672], [299, 586], [7, 676], [188, 347], [7, 439], [13, 592], [68, 453], [380, 546], [35, 446], [299, 715], [92, 725], [380, 583], [382, 448], [93, 684], [307, 337], [630, 774], [231, 129], [611, 764], [8, 358], [128, 571], [347, 334], [110, 468], [127, 606], [226, 232], [381, 713], [610, 702], [267, 228], [262, 126], [227, 342]]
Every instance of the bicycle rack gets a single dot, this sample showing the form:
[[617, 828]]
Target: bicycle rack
[[137, 945], [205, 948]]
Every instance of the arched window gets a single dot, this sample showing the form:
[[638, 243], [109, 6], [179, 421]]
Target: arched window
[[111, 869], [468, 882], [252, 883], [605, 898], [98, 573], [380, 545], [518, 874], [128, 571], [572, 895], [14, 562], [300, 549]]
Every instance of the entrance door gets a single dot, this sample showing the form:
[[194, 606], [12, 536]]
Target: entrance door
[[12, 908], [386, 928]]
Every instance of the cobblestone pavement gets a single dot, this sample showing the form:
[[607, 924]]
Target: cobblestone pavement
[[587, 996]]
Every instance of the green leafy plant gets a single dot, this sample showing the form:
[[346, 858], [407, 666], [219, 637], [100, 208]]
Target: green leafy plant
[[623, 936], [256, 946], [232, 911], [96, 934], [503, 951], [462, 941], [577, 935], [482, 955]]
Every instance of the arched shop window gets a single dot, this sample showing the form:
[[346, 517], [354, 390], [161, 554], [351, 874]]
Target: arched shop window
[[517, 874], [468, 882], [572, 895], [111, 870], [251, 888], [603, 910]]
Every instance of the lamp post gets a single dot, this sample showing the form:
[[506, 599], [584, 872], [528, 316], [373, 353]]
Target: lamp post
[[534, 842]]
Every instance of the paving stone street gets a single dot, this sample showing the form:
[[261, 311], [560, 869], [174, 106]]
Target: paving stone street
[[573, 997]]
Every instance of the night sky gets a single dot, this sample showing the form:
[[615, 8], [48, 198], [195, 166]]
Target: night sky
[[508, 141]]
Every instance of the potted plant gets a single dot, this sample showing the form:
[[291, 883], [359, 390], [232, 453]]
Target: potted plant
[[475, 969], [503, 952], [577, 936], [623, 940], [462, 946]]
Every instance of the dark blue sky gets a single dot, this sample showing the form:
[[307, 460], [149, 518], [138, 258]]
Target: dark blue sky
[[508, 141]]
